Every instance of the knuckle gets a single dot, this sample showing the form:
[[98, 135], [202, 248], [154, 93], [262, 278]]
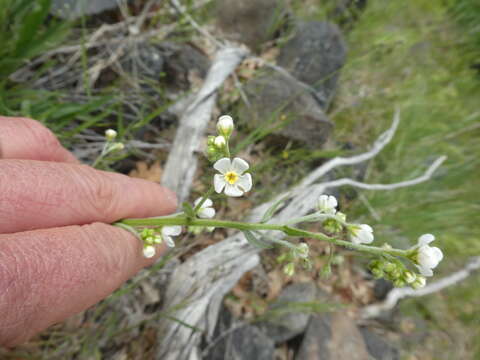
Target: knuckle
[[42, 135], [100, 192]]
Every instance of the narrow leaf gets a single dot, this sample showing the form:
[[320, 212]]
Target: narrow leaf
[[258, 242], [271, 211], [187, 208]]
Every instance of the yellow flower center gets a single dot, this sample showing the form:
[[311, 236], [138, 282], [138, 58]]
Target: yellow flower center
[[231, 177]]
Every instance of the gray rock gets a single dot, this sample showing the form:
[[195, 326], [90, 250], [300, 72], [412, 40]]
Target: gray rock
[[274, 97], [332, 337], [251, 22], [284, 324], [378, 347], [314, 55], [73, 9], [238, 342]]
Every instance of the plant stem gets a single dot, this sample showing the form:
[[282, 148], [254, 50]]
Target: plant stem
[[242, 226]]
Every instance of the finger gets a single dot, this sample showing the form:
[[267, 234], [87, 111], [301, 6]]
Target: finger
[[48, 275], [22, 138], [38, 195]]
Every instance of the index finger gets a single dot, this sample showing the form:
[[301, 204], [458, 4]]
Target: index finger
[[22, 138]]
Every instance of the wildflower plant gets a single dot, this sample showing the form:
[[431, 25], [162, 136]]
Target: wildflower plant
[[232, 178]]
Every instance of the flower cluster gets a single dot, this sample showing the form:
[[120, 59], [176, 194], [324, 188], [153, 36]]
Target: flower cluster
[[152, 237]]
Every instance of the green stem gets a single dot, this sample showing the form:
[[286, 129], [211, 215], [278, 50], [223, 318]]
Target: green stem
[[242, 226]]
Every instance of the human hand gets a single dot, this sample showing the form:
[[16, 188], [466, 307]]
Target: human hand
[[58, 255]]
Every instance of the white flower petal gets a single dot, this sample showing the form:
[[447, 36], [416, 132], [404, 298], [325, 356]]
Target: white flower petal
[[233, 190], [169, 241], [223, 165], [239, 165], [437, 254], [219, 183], [425, 239], [244, 182], [173, 230], [206, 213], [425, 271], [149, 251]]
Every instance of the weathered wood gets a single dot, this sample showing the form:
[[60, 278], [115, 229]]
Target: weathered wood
[[182, 161]]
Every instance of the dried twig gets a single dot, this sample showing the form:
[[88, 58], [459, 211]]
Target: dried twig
[[394, 296]]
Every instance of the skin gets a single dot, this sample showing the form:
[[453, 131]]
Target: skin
[[58, 255]]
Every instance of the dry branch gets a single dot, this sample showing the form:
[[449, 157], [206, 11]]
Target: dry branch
[[394, 296]]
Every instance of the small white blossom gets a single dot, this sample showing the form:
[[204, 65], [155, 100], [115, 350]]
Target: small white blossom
[[427, 257], [225, 125], [220, 141], [302, 250], [110, 134], [232, 177], [149, 251], [361, 234], [206, 211], [169, 231], [327, 204]]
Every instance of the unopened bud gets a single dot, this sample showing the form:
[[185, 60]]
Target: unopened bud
[[225, 125], [149, 251], [289, 269], [110, 134], [419, 283], [220, 142], [409, 277]]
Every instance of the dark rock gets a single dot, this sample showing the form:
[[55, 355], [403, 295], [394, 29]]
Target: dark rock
[[238, 342], [332, 337], [73, 9], [274, 97], [381, 288], [284, 324], [251, 22], [378, 347], [184, 63], [314, 55]]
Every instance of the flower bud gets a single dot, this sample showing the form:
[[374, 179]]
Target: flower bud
[[419, 282], [220, 142], [117, 147], [289, 269], [225, 125], [110, 134], [409, 277], [149, 251], [399, 283], [211, 140], [302, 250]]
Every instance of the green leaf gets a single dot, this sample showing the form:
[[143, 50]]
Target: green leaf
[[188, 209], [271, 211], [258, 242]]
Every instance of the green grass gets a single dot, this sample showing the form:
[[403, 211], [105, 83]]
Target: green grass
[[411, 55]]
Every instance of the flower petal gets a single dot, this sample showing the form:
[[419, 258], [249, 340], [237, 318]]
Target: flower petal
[[206, 203], [206, 213], [169, 241], [223, 165], [244, 182], [425, 239], [233, 190], [425, 271], [239, 165], [173, 230], [219, 183], [437, 254]]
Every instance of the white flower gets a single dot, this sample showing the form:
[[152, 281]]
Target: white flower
[[149, 251], [220, 141], [361, 234], [232, 177], [427, 257], [168, 232], [302, 250], [206, 211], [327, 204], [225, 125], [110, 134]]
